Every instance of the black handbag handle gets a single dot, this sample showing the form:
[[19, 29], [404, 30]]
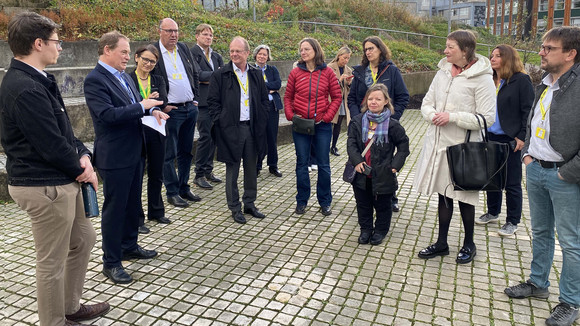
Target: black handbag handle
[[483, 131], [316, 95]]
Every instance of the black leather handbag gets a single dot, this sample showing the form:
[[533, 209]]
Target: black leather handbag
[[303, 125], [478, 165], [349, 171]]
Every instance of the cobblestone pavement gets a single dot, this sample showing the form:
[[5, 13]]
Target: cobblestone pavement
[[297, 270]]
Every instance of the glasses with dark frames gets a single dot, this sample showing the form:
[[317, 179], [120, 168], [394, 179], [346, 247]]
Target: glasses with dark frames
[[59, 42], [548, 48]]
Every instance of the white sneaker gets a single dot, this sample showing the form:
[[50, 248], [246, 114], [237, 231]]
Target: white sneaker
[[507, 229], [314, 167], [486, 218]]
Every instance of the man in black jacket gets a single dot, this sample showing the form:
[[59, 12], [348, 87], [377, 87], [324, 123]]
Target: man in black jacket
[[208, 62], [46, 164], [238, 100], [181, 74]]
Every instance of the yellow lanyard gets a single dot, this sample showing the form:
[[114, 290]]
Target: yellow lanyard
[[174, 61], [207, 55], [244, 89], [145, 92], [374, 74], [542, 108], [264, 74], [498, 87]]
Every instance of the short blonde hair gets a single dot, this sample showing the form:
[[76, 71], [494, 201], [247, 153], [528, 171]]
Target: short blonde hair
[[383, 89]]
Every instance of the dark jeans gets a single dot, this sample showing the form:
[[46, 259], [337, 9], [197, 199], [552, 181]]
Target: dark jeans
[[513, 189], [120, 221], [366, 201], [321, 143], [179, 145], [205, 151], [249, 157], [271, 138], [155, 146]]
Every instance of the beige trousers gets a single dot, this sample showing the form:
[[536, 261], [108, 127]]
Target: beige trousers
[[63, 239]]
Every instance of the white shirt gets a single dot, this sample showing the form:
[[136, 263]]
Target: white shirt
[[540, 148], [179, 87], [244, 94]]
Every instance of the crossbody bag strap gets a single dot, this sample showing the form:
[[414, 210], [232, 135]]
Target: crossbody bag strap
[[368, 147], [383, 71], [316, 96]]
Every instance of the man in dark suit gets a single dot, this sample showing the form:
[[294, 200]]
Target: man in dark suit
[[181, 75], [116, 109], [208, 62], [238, 100]]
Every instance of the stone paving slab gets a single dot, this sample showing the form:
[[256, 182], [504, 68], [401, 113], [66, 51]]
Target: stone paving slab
[[297, 270]]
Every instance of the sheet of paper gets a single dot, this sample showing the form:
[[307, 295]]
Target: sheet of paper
[[151, 122]]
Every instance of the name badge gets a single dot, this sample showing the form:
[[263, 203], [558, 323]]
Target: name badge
[[246, 103], [371, 134], [540, 133], [177, 77]]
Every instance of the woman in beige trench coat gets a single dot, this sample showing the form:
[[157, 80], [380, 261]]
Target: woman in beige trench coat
[[461, 88], [344, 74]]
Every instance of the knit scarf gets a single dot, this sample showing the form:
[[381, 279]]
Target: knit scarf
[[382, 121]]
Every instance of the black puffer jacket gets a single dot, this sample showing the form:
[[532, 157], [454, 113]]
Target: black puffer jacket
[[382, 158]]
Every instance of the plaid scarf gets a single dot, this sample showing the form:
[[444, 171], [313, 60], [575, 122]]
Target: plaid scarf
[[382, 121]]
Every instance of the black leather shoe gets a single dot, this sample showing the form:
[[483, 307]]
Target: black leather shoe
[[239, 217], [466, 255], [325, 210], [254, 212], [395, 207], [162, 220], [143, 229], [177, 201], [434, 250], [212, 178], [377, 238], [334, 151], [365, 237], [190, 196], [276, 172], [139, 253], [202, 183], [300, 209], [117, 275]]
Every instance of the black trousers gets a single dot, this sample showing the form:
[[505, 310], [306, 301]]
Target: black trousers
[[513, 189], [155, 146], [249, 157], [271, 138], [366, 201], [205, 150], [120, 218]]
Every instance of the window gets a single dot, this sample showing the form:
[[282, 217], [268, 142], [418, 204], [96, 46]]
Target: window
[[541, 25], [559, 5], [558, 22], [575, 4], [543, 5], [575, 21]]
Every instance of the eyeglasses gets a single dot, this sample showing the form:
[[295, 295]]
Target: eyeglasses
[[548, 48], [369, 49], [57, 41], [170, 31], [148, 61], [237, 51]]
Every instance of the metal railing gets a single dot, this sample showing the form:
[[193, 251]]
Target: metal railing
[[391, 31]]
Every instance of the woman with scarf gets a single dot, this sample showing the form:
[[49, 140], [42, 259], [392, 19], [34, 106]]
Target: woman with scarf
[[377, 68], [375, 182], [344, 74]]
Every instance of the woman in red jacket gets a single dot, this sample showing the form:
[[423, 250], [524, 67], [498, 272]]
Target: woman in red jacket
[[309, 87]]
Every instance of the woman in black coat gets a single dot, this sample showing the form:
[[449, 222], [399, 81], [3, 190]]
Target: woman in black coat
[[151, 86], [273, 82], [375, 188], [515, 96]]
